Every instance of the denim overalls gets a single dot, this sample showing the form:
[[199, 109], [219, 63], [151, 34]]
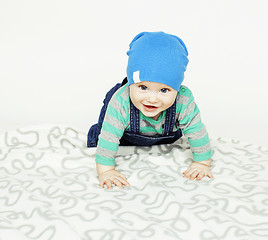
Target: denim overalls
[[132, 137]]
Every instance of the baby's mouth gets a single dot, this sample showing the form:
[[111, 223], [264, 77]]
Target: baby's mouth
[[150, 107]]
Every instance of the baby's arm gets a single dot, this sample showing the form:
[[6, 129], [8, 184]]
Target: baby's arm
[[108, 176], [113, 127], [192, 127], [198, 170]]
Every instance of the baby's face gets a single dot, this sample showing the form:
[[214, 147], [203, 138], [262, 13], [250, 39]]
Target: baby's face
[[152, 98]]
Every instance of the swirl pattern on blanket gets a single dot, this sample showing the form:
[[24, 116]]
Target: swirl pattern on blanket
[[49, 190]]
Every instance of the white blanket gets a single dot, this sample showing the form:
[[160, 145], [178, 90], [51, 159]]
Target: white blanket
[[49, 191]]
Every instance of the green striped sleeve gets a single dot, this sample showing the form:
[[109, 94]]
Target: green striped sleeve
[[199, 142], [202, 156], [190, 113], [113, 127], [110, 128], [104, 160], [107, 145], [192, 126]]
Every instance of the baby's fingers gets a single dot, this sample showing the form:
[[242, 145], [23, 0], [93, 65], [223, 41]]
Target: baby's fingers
[[204, 174], [209, 174], [197, 174], [123, 176], [106, 182], [101, 184], [200, 175], [109, 184], [194, 174], [117, 182], [123, 180], [187, 173]]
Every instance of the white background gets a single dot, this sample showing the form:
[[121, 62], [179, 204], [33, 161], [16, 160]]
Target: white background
[[58, 58]]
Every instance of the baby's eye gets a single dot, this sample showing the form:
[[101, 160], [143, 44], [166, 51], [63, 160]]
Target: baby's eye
[[164, 90], [142, 87]]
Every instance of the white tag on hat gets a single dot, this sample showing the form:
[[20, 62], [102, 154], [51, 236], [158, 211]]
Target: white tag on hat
[[136, 77]]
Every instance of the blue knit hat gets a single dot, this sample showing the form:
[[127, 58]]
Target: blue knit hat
[[157, 57]]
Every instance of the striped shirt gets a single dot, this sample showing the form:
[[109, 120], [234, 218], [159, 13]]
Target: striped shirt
[[117, 120]]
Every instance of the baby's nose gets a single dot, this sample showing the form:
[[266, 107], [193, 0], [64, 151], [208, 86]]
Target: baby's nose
[[153, 98]]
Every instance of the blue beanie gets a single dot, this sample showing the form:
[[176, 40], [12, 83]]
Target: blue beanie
[[157, 57]]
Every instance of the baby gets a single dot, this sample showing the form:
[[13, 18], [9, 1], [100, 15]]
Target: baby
[[150, 107]]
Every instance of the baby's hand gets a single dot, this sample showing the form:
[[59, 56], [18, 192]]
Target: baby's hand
[[197, 170], [112, 177]]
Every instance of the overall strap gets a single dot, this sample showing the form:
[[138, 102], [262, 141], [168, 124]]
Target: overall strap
[[134, 119], [134, 125], [170, 119]]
